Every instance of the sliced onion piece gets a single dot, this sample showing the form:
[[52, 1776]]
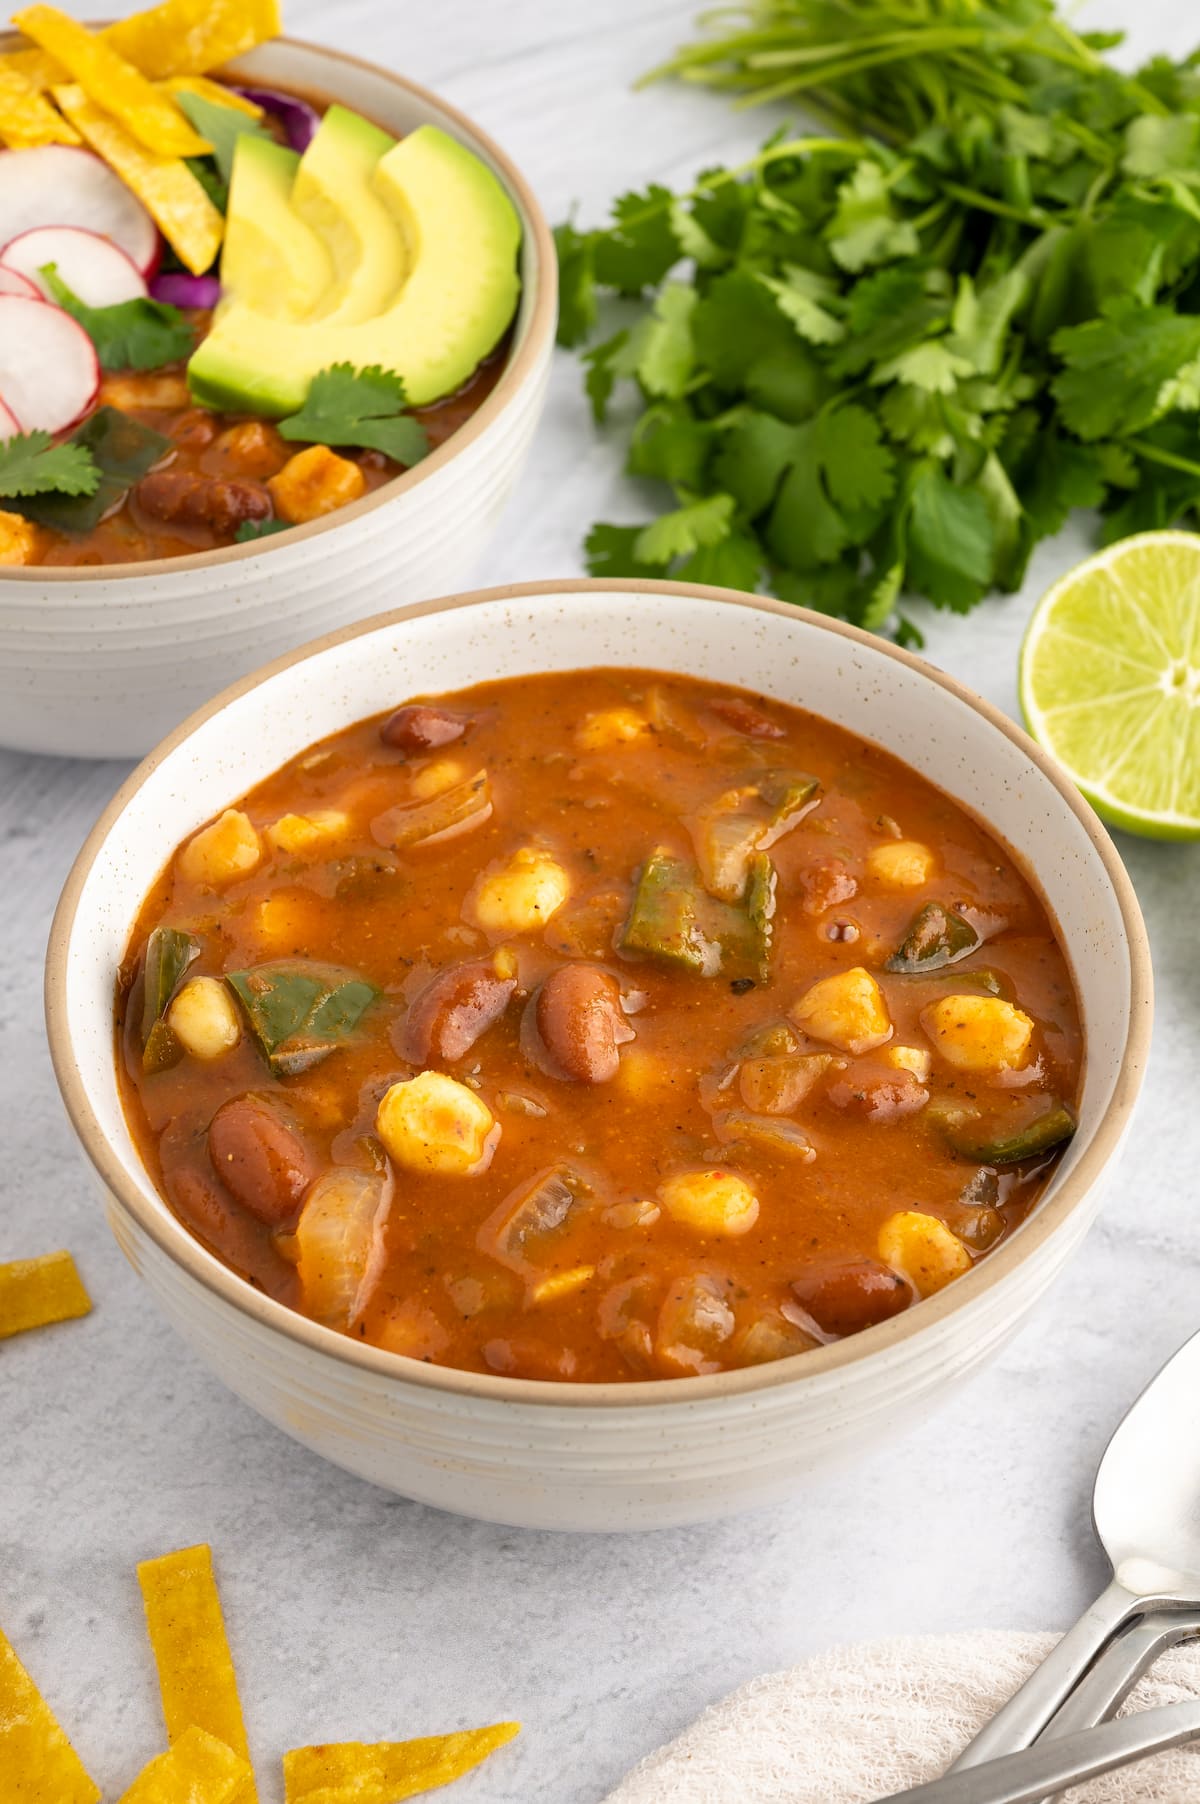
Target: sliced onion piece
[[299, 120], [8, 424], [49, 371], [12, 283], [56, 184], [339, 1243], [179, 289], [95, 269]]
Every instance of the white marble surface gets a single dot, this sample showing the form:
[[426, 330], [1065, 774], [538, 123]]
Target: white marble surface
[[356, 1615]]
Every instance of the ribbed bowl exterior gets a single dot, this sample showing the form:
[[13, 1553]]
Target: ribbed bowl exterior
[[594, 1470], [599, 1457], [95, 667]]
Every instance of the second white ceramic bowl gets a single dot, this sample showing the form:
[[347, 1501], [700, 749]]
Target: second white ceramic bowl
[[613, 1456], [100, 663]]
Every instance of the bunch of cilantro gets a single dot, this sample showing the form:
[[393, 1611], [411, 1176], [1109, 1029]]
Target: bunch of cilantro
[[890, 364]]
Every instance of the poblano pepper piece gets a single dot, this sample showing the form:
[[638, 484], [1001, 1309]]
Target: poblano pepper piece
[[169, 952], [298, 1013], [937, 936]]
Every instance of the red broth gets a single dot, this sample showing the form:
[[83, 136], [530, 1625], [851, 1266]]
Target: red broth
[[624, 1136]]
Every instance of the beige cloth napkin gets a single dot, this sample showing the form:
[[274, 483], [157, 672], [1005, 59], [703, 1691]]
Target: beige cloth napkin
[[860, 1722]]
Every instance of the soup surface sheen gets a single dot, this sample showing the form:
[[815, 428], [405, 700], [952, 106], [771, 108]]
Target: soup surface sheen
[[548, 1029]]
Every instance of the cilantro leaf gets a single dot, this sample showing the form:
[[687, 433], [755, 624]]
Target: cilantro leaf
[[610, 551], [859, 469], [133, 335], [756, 450], [665, 353], [733, 563], [951, 541], [576, 284], [670, 444], [32, 464], [804, 298], [249, 530], [221, 125], [865, 229], [805, 529], [121, 450], [1117, 366], [640, 246], [345, 406], [688, 529]]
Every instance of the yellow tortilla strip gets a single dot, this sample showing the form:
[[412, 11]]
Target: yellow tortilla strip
[[151, 116], [384, 1772], [35, 67], [195, 1667], [214, 91], [37, 1762], [199, 1769], [26, 117], [165, 186], [35, 1292], [189, 37]]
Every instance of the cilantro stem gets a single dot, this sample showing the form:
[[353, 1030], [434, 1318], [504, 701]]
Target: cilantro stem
[[1154, 454], [1032, 216]]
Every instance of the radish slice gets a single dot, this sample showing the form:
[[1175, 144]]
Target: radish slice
[[8, 423], [93, 268], [57, 185], [12, 283], [49, 371]]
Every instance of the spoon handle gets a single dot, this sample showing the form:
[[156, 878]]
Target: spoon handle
[[1018, 1723], [1117, 1669], [1055, 1764]]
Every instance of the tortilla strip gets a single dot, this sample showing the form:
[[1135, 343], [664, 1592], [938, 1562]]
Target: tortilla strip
[[189, 37], [37, 1762], [165, 185], [35, 1292], [106, 78], [199, 1769], [359, 1772], [35, 67], [26, 118], [195, 1667]]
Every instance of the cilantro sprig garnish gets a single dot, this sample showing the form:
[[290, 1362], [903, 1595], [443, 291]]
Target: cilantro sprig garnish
[[365, 408], [890, 363], [32, 464], [132, 335]]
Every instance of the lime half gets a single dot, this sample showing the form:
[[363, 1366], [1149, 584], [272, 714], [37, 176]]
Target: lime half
[[1110, 682]]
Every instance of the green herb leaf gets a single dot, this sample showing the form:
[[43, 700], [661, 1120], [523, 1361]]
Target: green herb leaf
[[641, 245], [32, 464], [298, 1013], [366, 407], [134, 335], [1117, 367], [576, 284], [120, 450], [221, 125], [689, 529], [951, 541], [249, 530]]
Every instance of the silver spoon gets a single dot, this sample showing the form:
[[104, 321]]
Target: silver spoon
[[1060, 1762], [1146, 1512]]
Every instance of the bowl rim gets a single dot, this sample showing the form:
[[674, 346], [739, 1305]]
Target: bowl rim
[[517, 370], [165, 1230]]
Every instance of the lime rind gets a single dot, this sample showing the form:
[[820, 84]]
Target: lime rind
[[1110, 682]]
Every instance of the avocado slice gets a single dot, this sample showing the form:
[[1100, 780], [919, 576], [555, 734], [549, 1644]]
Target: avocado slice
[[333, 194], [272, 261], [452, 308]]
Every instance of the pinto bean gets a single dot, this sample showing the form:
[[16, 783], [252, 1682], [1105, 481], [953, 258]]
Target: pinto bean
[[579, 1018], [260, 1159], [852, 1294], [879, 1094], [452, 1011], [420, 727], [183, 498]]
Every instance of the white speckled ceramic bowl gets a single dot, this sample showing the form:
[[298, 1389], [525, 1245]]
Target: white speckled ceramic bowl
[[101, 662], [551, 1455]]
